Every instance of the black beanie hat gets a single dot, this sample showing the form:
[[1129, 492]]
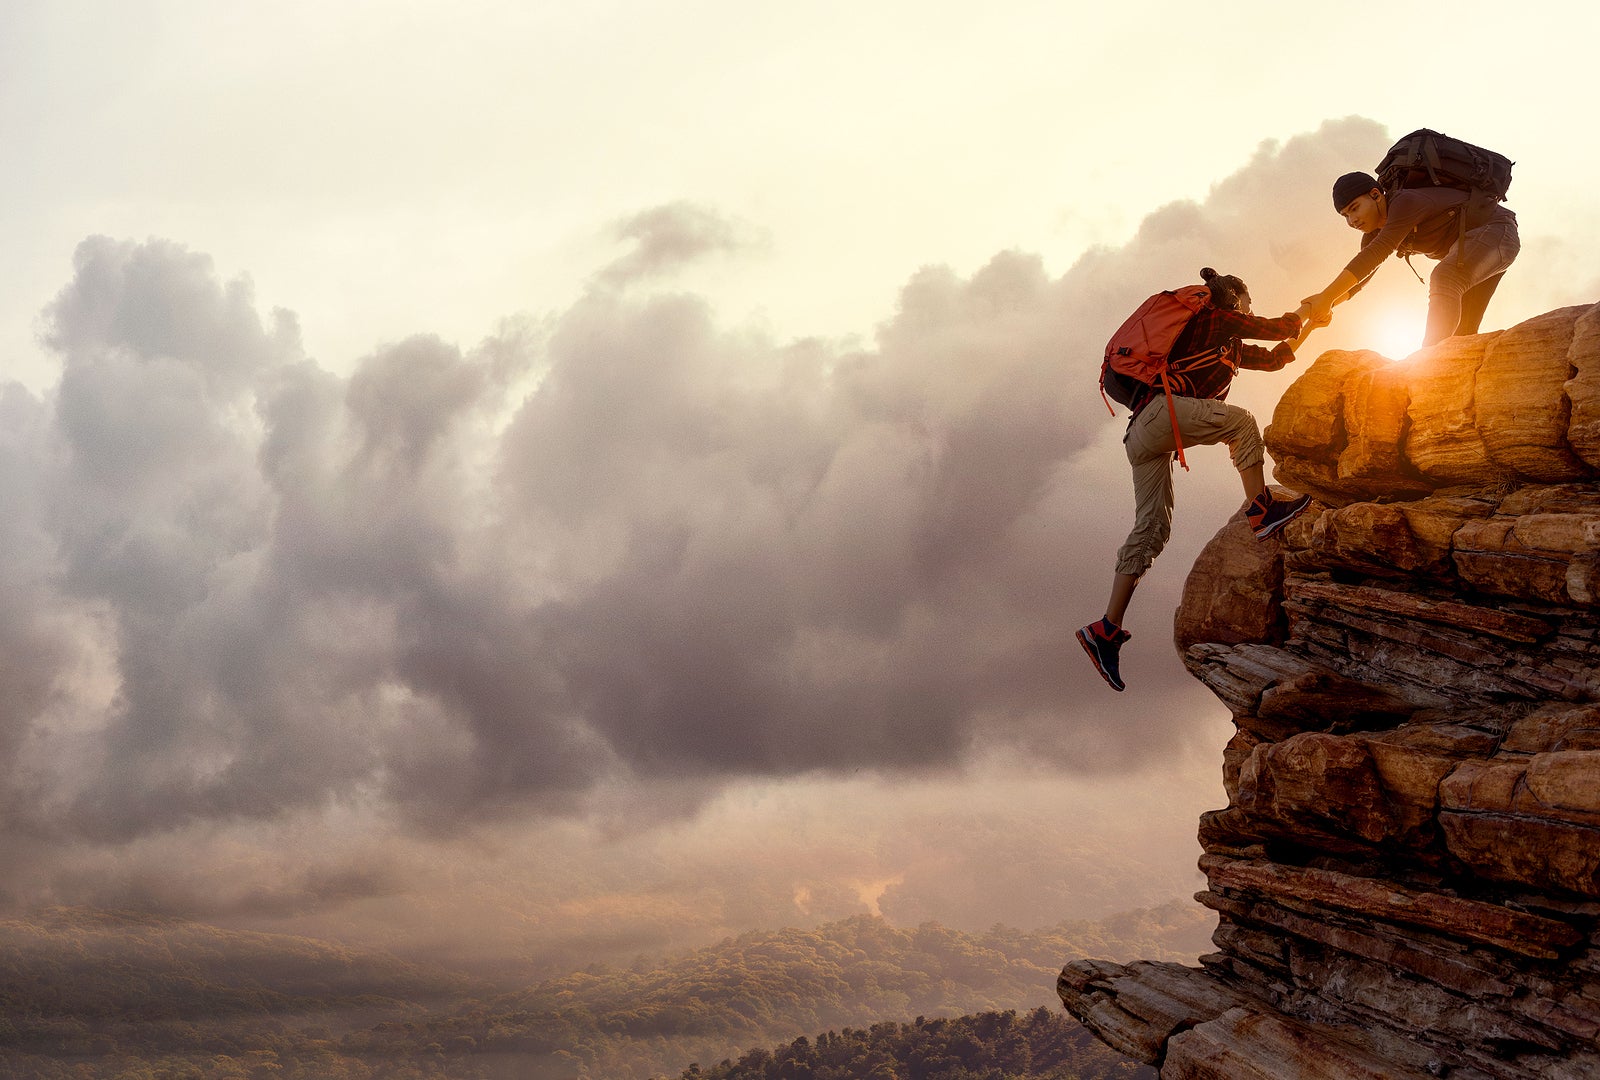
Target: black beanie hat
[[1350, 187]]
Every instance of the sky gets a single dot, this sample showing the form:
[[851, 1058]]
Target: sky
[[534, 480]]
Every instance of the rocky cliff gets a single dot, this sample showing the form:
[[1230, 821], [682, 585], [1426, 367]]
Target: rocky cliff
[[1407, 874]]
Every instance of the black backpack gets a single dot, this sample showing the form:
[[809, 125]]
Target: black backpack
[[1427, 158]]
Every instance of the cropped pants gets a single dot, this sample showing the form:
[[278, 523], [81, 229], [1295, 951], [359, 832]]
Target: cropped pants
[[1201, 422]]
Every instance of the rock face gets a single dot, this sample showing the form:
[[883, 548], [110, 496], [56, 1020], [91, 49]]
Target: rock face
[[1407, 875]]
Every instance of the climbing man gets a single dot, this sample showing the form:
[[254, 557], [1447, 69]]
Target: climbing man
[[1467, 229]]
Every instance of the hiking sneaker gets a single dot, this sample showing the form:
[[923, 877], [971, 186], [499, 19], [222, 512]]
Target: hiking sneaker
[[1103, 640], [1267, 515]]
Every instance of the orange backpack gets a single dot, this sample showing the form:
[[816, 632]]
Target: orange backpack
[[1136, 355]]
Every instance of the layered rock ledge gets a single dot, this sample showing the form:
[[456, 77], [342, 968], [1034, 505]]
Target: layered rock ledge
[[1407, 874]]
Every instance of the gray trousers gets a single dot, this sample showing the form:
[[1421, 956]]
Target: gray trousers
[[1201, 422], [1460, 286]]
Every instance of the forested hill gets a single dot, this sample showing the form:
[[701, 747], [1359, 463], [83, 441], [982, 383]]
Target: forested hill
[[141, 998], [1040, 1045], [772, 985]]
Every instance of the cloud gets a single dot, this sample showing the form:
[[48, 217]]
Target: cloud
[[668, 237], [620, 548]]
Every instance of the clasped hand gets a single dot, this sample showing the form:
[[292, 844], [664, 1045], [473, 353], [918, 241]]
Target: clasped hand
[[1312, 314]]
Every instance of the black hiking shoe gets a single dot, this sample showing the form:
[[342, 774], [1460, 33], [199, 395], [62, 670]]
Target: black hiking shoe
[[1267, 515], [1103, 640]]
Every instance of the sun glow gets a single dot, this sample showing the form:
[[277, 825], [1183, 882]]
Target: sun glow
[[1397, 334]]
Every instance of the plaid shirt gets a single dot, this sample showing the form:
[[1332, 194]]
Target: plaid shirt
[[1208, 352]]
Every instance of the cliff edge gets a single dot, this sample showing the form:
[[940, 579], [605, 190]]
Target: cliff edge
[[1407, 874]]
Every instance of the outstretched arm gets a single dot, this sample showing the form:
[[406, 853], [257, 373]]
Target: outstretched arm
[[1282, 329], [1337, 292]]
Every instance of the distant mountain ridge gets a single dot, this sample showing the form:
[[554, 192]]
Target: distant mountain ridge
[[119, 993]]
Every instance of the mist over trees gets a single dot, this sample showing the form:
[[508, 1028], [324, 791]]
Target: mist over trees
[[94, 994]]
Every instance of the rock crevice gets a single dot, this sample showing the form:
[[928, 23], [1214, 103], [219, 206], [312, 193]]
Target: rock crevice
[[1407, 873]]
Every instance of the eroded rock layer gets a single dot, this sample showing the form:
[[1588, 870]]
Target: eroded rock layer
[[1407, 874]]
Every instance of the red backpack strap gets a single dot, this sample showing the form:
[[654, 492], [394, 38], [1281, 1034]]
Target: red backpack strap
[[1177, 436], [1193, 297]]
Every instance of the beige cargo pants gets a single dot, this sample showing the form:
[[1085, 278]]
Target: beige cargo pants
[[1201, 422]]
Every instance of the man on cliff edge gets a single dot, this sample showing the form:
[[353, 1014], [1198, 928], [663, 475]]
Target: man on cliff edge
[[1475, 240]]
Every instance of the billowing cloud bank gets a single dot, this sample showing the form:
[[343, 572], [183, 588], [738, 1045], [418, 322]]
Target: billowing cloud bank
[[617, 548]]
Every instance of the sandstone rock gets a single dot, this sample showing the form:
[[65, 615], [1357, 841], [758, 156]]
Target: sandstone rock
[[1407, 873], [1246, 1045], [1523, 412], [1242, 600], [1372, 537], [1444, 443], [1375, 423], [1583, 389], [1241, 674], [1234, 755], [1332, 787], [1490, 924], [1433, 522], [1475, 977], [1321, 699], [1529, 820], [1485, 411], [1136, 1007], [1309, 419], [1555, 727], [1492, 622], [1307, 434]]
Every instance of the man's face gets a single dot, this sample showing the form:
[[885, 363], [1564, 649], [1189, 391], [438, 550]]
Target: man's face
[[1365, 212]]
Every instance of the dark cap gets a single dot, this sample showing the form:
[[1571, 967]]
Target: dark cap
[[1350, 187]]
